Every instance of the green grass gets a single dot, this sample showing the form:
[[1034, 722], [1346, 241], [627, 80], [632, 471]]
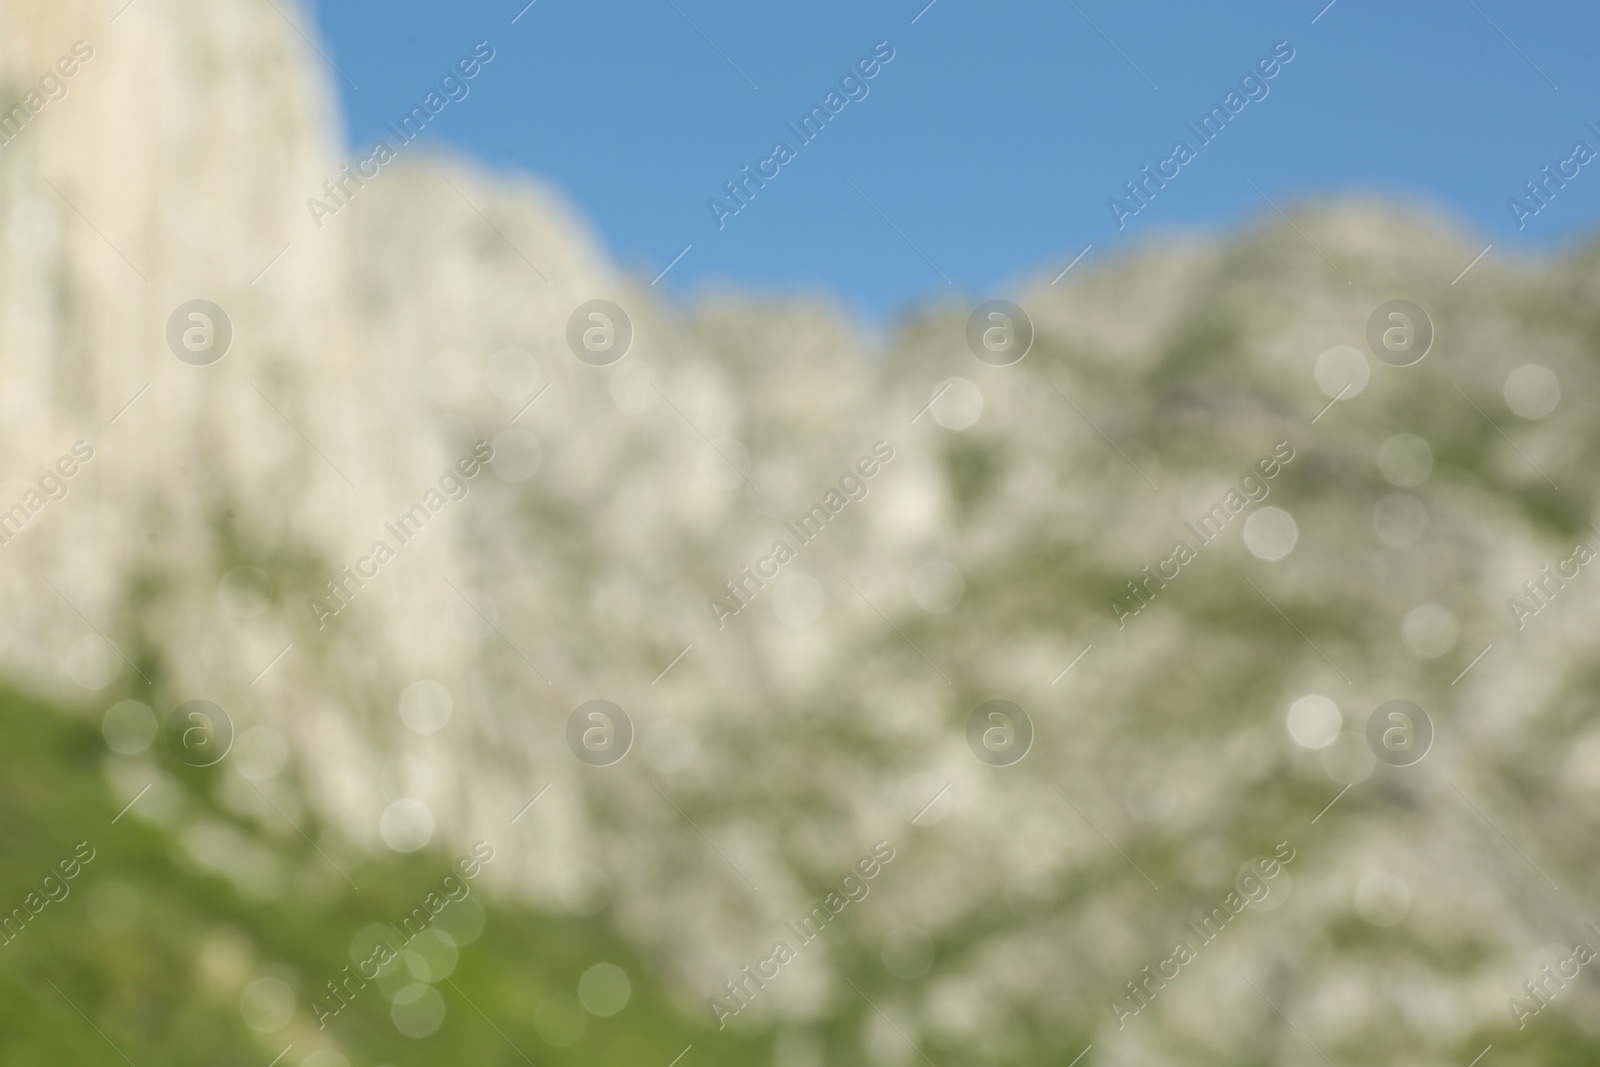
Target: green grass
[[157, 992]]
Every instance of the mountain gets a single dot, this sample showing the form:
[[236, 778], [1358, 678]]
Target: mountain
[[1014, 519]]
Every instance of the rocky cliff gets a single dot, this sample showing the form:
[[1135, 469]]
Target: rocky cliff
[[1001, 548]]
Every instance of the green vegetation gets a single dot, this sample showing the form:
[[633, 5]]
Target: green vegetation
[[147, 955]]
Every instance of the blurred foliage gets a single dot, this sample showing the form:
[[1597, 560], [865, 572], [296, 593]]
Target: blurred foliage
[[147, 992]]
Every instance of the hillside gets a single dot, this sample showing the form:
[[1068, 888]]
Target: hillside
[[214, 944], [560, 527]]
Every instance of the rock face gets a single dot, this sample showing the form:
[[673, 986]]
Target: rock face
[[998, 537]]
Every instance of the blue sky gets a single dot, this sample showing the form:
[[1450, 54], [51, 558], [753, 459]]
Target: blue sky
[[986, 150]]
